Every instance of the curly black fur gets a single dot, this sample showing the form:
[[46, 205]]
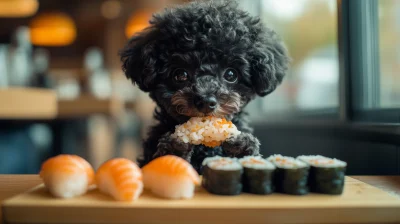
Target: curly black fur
[[205, 39]]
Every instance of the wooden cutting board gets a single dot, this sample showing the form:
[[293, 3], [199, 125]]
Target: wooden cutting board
[[360, 203]]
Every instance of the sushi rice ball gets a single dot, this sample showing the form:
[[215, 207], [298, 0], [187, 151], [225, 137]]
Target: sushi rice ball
[[170, 177], [209, 131], [67, 176], [121, 179]]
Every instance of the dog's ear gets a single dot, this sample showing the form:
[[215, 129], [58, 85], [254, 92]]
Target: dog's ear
[[139, 58], [269, 61]]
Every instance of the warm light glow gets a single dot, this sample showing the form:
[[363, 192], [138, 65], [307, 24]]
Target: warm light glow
[[111, 9], [137, 22], [18, 8], [52, 29]]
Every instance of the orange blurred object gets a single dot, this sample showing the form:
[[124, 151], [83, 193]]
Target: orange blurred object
[[111, 9], [138, 21], [18, 8], [171, 166], [170, 177], [120, 178], [52, 29], [67, 176]]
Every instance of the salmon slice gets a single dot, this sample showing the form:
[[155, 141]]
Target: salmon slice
[[67, 176], [120, 178], [172, 166], [170, 177]]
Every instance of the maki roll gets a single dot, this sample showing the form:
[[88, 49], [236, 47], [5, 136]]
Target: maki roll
[[326, 174], [257, 175], [204, 169], [222, 175], [291, 175]]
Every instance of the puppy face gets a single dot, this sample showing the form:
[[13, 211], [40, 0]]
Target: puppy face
[[199, 85], [205, 59]]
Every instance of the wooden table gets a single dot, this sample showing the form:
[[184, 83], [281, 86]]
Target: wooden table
[[11, 185]]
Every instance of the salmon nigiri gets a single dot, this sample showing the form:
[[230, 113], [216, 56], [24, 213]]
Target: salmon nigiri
[[67, 176], [120, 178], [170, 177]]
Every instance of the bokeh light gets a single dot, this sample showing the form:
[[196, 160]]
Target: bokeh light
[[138, 21], [18, 8], [111, 9], [52, 29]]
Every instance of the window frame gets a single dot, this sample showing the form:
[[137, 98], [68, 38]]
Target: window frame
[[359, 72]]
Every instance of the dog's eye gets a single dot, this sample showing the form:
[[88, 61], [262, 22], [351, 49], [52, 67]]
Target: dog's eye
[[180, 75], [231, 75]]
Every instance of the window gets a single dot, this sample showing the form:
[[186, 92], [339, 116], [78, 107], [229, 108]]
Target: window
[[309, 29], [346, 59], [389, 45], [368, 48]]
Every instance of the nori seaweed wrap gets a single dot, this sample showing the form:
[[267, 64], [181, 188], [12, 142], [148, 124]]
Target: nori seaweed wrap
[[291, 175], [326, 174], [222, 176], [258, 175]]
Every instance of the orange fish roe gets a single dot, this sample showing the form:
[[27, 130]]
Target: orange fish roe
[[212, 144]]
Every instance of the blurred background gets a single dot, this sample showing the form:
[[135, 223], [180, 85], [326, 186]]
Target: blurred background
[[62, 89]]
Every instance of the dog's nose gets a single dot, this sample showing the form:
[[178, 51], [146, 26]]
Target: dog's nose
[[205, 104]]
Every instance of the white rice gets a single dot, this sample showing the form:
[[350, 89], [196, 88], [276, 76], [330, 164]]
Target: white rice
[[209, 159], [322, 161], [204, 129], [286, 162], [260, 164], [222, 163]]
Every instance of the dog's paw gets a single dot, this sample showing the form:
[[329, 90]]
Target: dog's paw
[[244, 144], [168, 145]]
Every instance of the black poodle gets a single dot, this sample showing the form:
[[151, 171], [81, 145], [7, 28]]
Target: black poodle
[[203, 58]]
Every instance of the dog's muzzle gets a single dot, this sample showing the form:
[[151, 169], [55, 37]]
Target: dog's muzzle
[[205, 90], [206, 97], [205, 105]]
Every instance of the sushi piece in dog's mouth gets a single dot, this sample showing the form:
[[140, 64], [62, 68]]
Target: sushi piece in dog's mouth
[[208, 130]]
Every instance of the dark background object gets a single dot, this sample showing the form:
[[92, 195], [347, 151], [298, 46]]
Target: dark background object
[[368, 152]]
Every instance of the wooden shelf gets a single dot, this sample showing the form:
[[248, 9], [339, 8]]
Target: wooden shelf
[[36, 103], [27, 103], [87, 105]]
